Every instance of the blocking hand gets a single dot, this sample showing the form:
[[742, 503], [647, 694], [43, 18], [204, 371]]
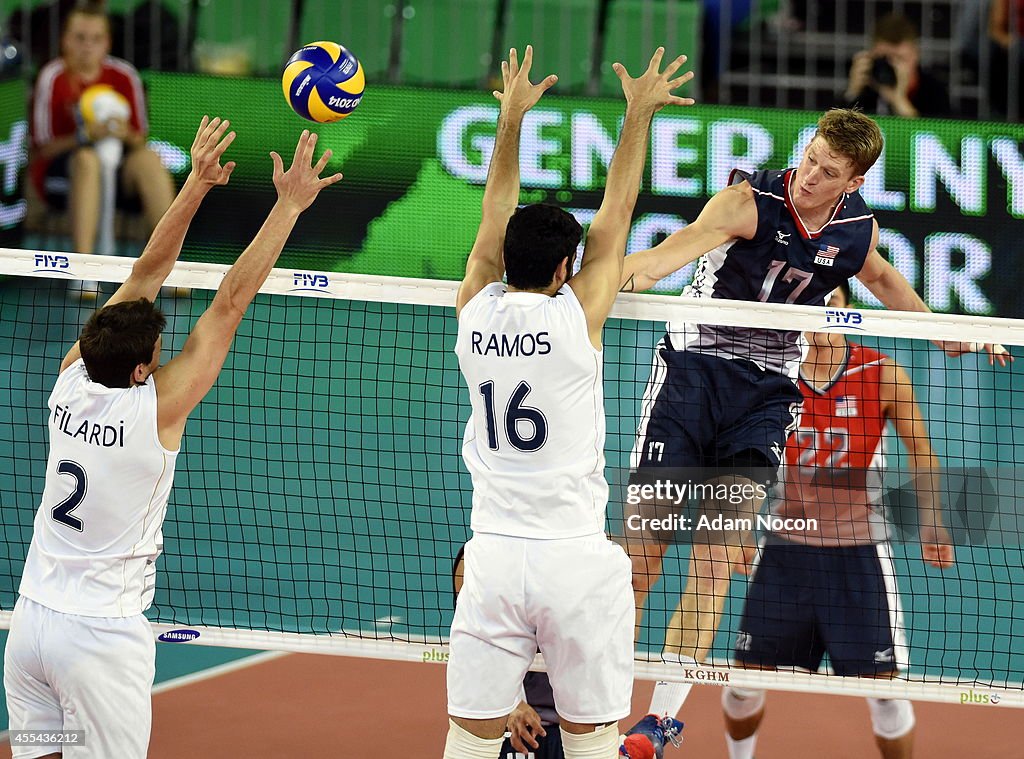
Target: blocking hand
[[517, 94], [207, 148], [653, 89], [299, 186]]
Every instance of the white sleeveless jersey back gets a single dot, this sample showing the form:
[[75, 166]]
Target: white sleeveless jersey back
[[99, 528], [534, 443]]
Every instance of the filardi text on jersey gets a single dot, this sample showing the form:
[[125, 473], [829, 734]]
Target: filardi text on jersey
[[105, 435], [524, 344]]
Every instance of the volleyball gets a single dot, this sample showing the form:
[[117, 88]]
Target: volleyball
[[101, 103], [323, 82]]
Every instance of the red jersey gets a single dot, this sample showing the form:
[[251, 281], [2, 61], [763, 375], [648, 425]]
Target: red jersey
[[833, 463], [55, 103]]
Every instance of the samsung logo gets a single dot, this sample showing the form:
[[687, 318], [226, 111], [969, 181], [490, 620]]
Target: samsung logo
[[179, 636]]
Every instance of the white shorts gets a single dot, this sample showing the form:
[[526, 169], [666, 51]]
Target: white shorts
[[69, 672], [572, 599]]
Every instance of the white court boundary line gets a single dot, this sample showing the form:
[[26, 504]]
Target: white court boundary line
[[218, 670], [423, 650], [434, 292]]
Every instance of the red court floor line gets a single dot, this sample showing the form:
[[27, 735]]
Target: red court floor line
[[302, 705]]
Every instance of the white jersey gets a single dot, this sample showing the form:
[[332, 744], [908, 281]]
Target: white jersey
[[534, 443], [99, 528]]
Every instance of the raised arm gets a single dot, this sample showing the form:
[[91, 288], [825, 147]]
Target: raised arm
[[730, 214], [501, 193], [890, 287], [900, 406], [887, 284], [188, 377], [597, 281], [164, 246]]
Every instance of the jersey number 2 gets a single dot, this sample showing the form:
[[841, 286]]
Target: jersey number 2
[[62, 511], [515, 413]]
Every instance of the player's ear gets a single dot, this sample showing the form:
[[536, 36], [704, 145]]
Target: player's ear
[[854, 184], [564, 270], [140, 374]]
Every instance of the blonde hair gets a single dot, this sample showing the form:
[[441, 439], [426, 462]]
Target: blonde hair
[[853, 135]]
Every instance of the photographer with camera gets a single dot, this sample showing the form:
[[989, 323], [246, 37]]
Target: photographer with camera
[[888, 78]]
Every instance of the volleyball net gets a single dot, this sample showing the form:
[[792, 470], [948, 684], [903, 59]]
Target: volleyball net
[[320, 495]]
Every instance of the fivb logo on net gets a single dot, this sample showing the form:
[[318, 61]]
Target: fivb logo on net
[[53, 262], [310, 282], [841, 317]]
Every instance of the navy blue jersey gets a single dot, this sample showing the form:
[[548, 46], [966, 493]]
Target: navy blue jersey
[[783, 263], [540, 696]]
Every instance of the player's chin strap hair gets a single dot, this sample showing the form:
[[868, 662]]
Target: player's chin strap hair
[[742, 703], [462, 744], [600, 744], [891, 718]]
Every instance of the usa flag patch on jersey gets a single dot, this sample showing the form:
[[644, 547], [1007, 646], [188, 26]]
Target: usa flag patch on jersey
[[826, 255], [846, 405]]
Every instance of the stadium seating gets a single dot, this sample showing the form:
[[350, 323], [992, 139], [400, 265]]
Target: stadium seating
[[635, 28], [365, 28], [448, 42], [260, 43], [562, 33]]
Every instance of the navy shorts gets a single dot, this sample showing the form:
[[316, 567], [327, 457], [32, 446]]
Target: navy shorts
[[548, 747], [805, 601], [711, 413]]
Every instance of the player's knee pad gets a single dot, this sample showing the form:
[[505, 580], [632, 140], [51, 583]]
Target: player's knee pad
[[891, 718], [462, 744], [601, 743], [742, 703]]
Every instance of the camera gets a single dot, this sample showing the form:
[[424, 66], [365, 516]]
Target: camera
[[882, 72]]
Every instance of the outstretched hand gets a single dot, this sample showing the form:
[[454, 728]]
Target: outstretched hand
[[207, 148], [653, 89], [298, 187], [517, 94], [957, 348]]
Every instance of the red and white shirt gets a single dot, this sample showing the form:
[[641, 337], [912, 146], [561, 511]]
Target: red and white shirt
[[833, 463], [55, 103]]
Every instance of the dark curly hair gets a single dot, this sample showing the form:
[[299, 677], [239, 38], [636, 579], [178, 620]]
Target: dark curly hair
[[537, 239]]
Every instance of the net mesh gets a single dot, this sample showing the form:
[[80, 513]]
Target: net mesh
[[320, 496]]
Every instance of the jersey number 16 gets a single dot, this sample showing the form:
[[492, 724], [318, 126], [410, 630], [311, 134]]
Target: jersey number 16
[[516, 414]]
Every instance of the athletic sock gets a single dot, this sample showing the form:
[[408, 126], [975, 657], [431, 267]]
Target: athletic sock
[[743, 749], [668, 697]]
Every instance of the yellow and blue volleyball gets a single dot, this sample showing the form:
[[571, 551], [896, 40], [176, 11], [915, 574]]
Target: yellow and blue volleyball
[[323, 82]]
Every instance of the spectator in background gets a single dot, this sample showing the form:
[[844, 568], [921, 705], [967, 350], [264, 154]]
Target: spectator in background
[[65, 168], [888, 78], [1005, 30]]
